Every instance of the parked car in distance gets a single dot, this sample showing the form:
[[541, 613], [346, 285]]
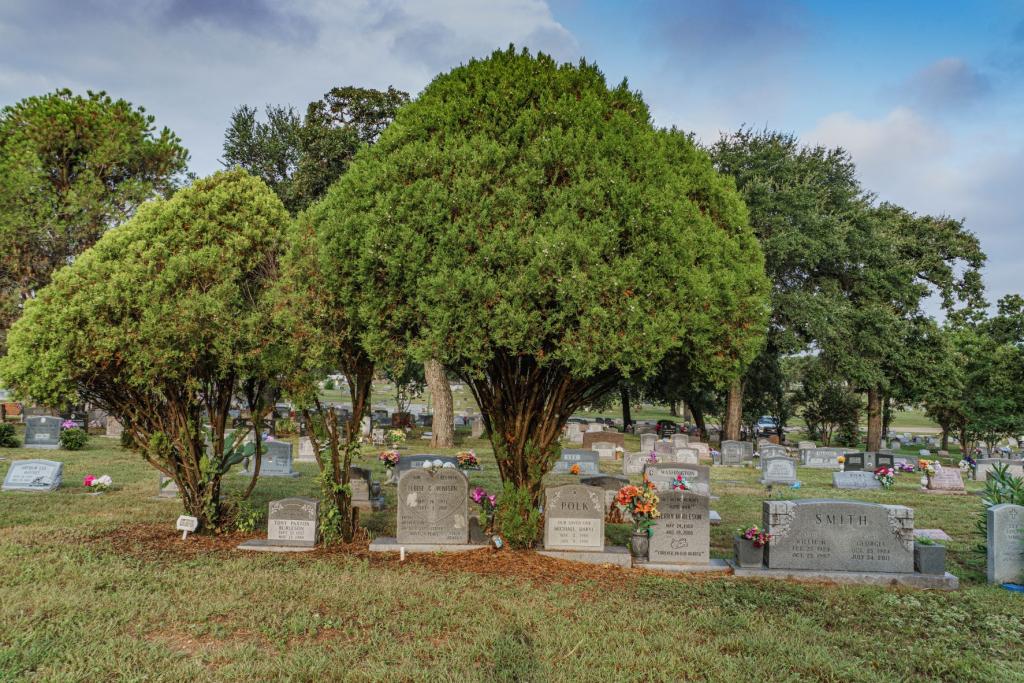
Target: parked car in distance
[[767, 425], [666, 428]]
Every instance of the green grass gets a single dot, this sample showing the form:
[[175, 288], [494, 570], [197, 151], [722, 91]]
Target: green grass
[[77, 603]]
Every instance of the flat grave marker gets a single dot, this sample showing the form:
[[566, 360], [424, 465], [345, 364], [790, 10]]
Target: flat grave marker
[[42, 476]]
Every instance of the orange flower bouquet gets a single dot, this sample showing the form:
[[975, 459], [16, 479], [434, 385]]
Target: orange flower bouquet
[[641, 502]]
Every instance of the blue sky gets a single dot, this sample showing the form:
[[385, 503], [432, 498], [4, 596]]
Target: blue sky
[[926, 95]]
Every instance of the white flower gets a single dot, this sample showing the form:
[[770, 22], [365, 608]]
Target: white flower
[[437, 463], [105, 480], [449, 465], [427, 464]]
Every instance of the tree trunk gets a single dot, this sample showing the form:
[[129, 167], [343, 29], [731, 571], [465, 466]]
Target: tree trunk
[[886, 416], [945, 437], [733, 412], [874, 419], [698, 419], [444, 411], [627, 418], [673, 409], [965, 447]]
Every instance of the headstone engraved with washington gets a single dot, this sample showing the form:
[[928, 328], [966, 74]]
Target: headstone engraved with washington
[[662, 475]]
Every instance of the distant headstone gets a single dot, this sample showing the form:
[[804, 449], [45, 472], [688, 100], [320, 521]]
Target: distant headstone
[[946, 480], [114, 429], [477, 428], [366, 493], [663, 448], [839, 535], [662, 476], [1005, 547], [773, 451], [166, 487], [857, 479], [34, 475], [574, 518], [985, 465], [616, 438], [735, 452], [275, 460], [778, 470], [703, 451], [687, 456], [432, 507], [680, 440], [574, 432], [805, 445], [42, 431], [682, 533], [293, 522], [647, 442], [605, 451], [408, 463], [594, 427], [633, 463], [821, 458], [855, 462], [885, 460], [610, 484], [585, 458], [306, 452]]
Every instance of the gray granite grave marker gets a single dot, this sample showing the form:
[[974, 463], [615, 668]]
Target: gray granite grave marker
[[778, 470], [855, 480], [1005, 547], [293, 522], [42, 431], [574, 518], [432, 507], [586, 459], [681, 535], [34, 475]]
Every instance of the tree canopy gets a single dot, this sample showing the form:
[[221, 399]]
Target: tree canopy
[[527, 226]]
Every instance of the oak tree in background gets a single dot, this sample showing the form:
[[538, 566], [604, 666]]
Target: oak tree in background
[[523, 223], [71, 167], [160, 323]]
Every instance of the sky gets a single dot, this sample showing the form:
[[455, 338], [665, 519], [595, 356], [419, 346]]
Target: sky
[[926, 96]]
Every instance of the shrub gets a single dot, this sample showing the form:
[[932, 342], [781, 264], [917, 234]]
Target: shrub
[[244, 516], [73, 439], [7, 437], [518, 521], [329, 385], [285, 426]]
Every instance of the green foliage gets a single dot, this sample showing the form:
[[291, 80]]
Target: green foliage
[[8, 439], [71, 167], [160, 322], [300, 158], [521, 223], [1001, 486], [285, 426], [244, 516], [828, 404], [517, 519], [329, 385], [73, 439]]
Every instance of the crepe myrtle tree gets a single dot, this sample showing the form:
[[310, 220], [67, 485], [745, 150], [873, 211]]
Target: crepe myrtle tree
[[162, 323], [526, 225]]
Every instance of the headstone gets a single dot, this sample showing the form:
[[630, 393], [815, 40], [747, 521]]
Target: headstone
[[662, 476], [275, 460], [682, 533], [855, 462], [703, 451], [610, 484], [293, 522], [821, 458], [605, 451], [586, 459], [885, 460], [858, 479], [633, 463], [306, 452], [594, 427], [590, 438], [477, 428], [773, 451], [114, 429], [947, 480], [806, 445], [642, 429], [432, 507], [895, 445], [680, 440], [839, 535], [366, 493], [662, 448], [574, 518], [574, 433], [647, 442], [34, 475], [407, 463], [687, 456], [1005, 547], [735, 452], [778, 470], [166, 487], [42, 431], [985, 465]]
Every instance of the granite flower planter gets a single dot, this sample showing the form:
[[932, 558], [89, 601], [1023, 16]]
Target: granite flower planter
[[747, 555], [639, 545], [930, 559]]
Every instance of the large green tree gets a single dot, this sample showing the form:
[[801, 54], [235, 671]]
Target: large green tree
[[527, 226], [162, 323], [71, 167]]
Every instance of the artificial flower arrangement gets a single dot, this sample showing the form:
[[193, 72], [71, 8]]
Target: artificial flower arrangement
[[98, 484], [435, 465], [904, 467], [755, 534], [929, 467], [467, 460], [968, 463], [488, 503], [389, 458], [884, 476], [641, 502], [680, 483], [841, 459], [68, 424], [652, 458], [395, 437], [575, 469]]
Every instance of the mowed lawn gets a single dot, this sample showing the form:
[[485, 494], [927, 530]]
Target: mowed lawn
[[98, 588]]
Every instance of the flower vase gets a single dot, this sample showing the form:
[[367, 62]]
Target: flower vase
[[639, 544], [924, 481], [747, 555]]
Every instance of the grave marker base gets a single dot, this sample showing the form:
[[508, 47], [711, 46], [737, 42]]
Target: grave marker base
[[948, 582], [614, 555], [268, 546], [718, 566], [944, 492], [390, 544]]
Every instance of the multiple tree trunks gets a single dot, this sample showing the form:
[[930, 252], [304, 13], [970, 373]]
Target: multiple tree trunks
[[443, 430]]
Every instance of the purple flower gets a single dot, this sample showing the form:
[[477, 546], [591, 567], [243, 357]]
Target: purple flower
[[478, 494], [68, 424], [494, 499]]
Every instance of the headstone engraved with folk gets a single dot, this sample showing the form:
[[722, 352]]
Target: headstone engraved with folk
[[574, 518], [946, 480], [432, 507], [586, 459], [838, 535], [1005, 547], [293, 522], [681, 535], [34, 475], [42, 432]]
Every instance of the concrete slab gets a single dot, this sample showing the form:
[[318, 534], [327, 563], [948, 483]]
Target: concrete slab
[[264, 545], [389, 544], [716, 566], [912, 580], [934, 534], [943, 492], [714, 518], [615, 555]]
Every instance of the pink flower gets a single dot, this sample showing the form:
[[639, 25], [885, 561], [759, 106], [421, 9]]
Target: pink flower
[[89, 480], [493, 498], [478, 494]]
